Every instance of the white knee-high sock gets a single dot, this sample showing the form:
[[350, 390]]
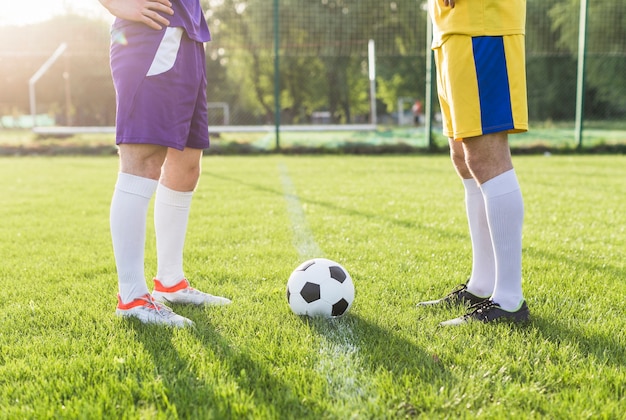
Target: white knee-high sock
[[171, 214], [483, 278], [129, 208], [505, 213]]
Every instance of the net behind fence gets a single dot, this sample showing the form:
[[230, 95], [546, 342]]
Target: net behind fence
[[323, 50], [321, 56]]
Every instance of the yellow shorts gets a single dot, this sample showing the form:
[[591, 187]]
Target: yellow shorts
[[481, 83]]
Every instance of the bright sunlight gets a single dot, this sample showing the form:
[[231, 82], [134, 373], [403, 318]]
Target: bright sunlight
[[25, 12]]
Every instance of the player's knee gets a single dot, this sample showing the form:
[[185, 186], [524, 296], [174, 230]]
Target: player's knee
[[192, 173], [183, 178], [458, 159], [193, 178], [148, 168]]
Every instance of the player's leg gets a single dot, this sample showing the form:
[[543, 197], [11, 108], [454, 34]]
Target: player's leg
[[500, 72], [181, 169], [482, 279], [482, 90], [171, 211], [136, 184], [143, 160], [172, 205], [144, 131], [487, 156], [180, 176], [454, 75], [479, 286], [489, 160]]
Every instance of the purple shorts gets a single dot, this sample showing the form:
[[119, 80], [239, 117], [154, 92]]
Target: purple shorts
[[160, 83]]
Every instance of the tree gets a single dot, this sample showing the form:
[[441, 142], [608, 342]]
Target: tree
[[551, 69], [323, 53], [606, 51]]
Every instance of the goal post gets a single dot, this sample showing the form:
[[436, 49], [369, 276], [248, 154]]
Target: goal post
[[225, 110], [38, 74]]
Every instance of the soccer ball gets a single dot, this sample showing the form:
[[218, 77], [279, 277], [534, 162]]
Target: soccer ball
[[320, 287]]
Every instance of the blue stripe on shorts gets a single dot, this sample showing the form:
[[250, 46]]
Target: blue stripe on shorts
[[493, 84]]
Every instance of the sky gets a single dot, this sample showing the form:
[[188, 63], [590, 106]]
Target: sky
[[24, 12]]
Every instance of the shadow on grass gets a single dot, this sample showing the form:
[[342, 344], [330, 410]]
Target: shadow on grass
[[249, 383], [376, 351], [246, 387], [376, 217], [608, 269], [604, 347], [378, 347]]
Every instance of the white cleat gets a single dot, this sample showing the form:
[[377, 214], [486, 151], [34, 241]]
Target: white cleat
[[183, 293], [149, 311]]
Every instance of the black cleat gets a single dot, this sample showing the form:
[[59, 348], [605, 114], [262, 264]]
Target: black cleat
[[460, 297], [489, 311]]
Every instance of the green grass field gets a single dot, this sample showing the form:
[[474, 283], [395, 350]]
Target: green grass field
[[396, 223]]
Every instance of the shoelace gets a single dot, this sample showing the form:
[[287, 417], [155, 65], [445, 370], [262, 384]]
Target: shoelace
[[159, 308], [460, 288], [480, 308], [193, 291], [197, 292]]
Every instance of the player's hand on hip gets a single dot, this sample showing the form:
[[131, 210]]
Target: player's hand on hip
[[449, 3], [148, 12]]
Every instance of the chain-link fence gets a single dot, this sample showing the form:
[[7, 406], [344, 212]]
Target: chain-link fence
[[309, 63], [323, 63]]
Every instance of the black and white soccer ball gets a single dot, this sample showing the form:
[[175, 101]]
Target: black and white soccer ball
[[320, 288]]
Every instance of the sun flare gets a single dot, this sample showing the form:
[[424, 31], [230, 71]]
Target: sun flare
[[26, 12]]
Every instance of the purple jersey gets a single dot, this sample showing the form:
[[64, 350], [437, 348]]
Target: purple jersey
[[189, 16]]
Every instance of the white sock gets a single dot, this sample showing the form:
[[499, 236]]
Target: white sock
[[505, 213], [483, 278], [171, 214], [129, 208]]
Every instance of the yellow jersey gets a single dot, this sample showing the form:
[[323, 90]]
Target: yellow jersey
[[477, 18]]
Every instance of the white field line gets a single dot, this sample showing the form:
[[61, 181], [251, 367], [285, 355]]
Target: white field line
[[341, 364], [302, 236], [339, 358]]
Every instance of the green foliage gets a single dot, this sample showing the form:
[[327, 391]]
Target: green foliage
[[396, 223], [332, 30], [605, 50], [400, 77], [323, 61], [323, 54]]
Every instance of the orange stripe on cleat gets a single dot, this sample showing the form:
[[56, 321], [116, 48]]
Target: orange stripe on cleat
[[133, 303], [158, 286]]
